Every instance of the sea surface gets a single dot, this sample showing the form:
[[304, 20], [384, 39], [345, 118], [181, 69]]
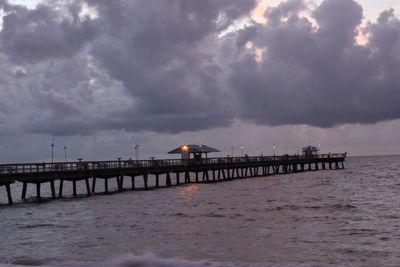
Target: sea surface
[[347, 217]]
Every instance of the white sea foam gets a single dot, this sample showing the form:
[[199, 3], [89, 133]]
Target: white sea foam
[[150, 260]]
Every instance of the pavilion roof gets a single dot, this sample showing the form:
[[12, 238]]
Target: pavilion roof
[[310, 148], [194, 149]]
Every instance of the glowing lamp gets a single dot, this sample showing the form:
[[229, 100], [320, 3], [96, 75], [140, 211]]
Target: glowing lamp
[[185, 148]]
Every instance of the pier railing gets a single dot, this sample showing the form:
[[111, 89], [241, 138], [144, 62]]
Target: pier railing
[[26, 168]]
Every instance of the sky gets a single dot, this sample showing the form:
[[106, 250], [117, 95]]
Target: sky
[[100, 77]]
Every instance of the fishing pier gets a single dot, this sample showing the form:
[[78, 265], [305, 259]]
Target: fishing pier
[[166, 172]]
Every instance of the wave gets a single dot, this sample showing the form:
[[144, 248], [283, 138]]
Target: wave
[[150, 260]]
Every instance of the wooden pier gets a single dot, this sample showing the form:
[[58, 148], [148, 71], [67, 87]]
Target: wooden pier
[[192, 171]]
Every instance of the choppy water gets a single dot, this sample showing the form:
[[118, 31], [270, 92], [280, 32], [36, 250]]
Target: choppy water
[[346, 217]]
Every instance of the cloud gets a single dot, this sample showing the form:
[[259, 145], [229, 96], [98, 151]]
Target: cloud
[[135, 65], [35, 35], [166, 60], [319, 77], [79, 67]]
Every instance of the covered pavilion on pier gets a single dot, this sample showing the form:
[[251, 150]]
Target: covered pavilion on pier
[[196, 150]]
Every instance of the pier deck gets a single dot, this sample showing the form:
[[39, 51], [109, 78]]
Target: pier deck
[[204, 170]]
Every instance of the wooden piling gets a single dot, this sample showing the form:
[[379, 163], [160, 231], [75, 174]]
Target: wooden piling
[[94, 184], [74, 187], [53, 189], [157, 180], [87, 186], [106, 185], [207, 178], [133, 181], [187, 177], [145, 176], [24, 186], [120, 182], [168, 180], [38, 190], [8, 189]]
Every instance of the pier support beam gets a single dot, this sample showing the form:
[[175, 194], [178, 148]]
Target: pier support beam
[[24, 186], [157, 180], [8, 189], [187, 177], [133, 181], [168, 180], [120, 182], [38, 190], [106, 185], [93, 184], [38, 187], [53, 189], [145, 176], [205, 176], [87, 186], [74, 188], [74, 191], [119, 179]]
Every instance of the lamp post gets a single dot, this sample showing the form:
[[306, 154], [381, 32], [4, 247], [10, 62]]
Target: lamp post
[[137, 152], [52, 151], [65, 153], [241, 150], [232, 151], [273, 148]]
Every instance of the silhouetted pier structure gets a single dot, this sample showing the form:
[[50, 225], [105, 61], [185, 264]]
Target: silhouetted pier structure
[[192, 171]]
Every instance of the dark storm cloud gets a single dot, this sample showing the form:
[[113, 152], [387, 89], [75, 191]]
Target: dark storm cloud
[[31, 36], [179, 65], [320, 77], [162, 51]]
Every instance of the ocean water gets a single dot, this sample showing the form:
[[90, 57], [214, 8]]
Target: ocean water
[[347, 217]]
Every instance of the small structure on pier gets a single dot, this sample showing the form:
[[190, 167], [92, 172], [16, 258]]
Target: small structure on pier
[[310, 151], [196, 150]]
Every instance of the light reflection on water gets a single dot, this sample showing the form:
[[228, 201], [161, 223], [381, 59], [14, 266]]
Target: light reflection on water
[[328, 217], [189, 191]]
